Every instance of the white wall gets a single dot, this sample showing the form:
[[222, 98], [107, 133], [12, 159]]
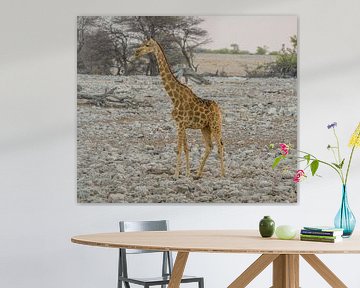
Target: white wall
[[38, 209]]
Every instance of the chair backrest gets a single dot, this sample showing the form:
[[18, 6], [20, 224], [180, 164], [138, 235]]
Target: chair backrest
[[134, 226]]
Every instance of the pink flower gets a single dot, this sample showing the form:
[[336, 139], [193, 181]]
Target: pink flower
[[300, 175], [284, 148]]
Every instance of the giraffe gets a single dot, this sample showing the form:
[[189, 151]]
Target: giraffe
[[189, 112]]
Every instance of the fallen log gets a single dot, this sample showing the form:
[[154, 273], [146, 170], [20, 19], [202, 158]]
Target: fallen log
[[100, 99], [189, 74]]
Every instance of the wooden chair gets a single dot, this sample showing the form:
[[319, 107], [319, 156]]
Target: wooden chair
[[167, 262]]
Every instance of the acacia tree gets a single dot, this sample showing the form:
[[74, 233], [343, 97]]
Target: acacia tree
[[117, 29], [179, 36], [97, 54], [235, 48], [84, 26], [188, 36], [156, 27], [176, 34]]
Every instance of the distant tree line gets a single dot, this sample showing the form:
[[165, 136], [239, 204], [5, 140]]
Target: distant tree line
[[260, 50], [105, 43], [223, 51]]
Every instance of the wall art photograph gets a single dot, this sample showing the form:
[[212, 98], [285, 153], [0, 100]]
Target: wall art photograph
[[185, 109]]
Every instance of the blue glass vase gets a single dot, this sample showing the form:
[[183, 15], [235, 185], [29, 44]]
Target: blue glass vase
[[345, 219]]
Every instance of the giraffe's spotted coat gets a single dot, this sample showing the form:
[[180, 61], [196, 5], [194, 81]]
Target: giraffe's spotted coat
[[189, 112]]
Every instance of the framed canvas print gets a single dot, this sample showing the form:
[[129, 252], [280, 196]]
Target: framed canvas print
[[183, 109]]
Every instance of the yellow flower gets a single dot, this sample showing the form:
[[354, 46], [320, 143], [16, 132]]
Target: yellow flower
[[355, 138]]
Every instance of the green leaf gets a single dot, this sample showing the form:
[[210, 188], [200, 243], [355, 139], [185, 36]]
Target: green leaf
[[339, 166], [307, 157], [277, 161], [314, 166], [342, 163], [336, 165]]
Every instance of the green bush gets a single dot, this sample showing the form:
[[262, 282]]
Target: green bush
[[274, 53], [286, 62], [261, 50], [284, 66]]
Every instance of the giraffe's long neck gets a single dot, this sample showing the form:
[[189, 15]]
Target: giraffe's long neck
[[169, 80]]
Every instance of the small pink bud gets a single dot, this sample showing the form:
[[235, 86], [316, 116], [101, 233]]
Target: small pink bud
[[284, 149], [299, 176]]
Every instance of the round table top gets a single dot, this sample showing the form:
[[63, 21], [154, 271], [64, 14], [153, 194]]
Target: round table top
[[219, 241]]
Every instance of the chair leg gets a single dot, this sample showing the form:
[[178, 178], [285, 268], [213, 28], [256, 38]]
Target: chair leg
[[126, 284], [201, 283]]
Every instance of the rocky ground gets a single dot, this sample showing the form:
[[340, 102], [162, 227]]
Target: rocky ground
[[127, 153]]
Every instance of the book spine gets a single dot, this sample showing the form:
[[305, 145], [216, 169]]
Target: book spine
[[318, 236], [318, 239], [320, 233]]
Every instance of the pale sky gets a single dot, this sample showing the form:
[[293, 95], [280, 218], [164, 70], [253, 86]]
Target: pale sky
[[249, 31]]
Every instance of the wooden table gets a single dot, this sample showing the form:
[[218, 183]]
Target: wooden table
[[284, 254]]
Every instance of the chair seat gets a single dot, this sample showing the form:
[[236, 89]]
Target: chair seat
[[158, 280]]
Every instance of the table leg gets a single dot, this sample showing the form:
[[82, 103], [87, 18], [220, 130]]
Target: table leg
[[178, 270], [324, 271], [286, 271], [253, 270]]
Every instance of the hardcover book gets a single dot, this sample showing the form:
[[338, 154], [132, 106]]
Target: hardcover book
[[321, 233], [323, 228], [319, 237], [324, 239]]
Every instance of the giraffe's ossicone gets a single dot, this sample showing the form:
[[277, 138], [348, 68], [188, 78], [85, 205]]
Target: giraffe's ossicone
[[189, 112]]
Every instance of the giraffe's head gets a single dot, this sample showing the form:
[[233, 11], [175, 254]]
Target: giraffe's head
[[147, 47]]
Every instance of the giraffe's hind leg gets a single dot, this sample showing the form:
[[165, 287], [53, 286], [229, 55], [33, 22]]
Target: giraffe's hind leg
[[186, 151], [220, 146], [215, 127], [181, 136], [208, 147]]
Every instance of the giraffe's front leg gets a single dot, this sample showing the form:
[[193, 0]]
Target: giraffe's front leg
[[180, 139], [208, 147]]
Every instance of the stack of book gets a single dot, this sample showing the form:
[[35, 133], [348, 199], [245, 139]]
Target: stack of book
[[321, 234]]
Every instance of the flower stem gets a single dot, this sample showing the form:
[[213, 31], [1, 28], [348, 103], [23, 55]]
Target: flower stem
[[351, 155], [338, 145], [348, 167], [338, 149], [323, 162], [306, 153], [333, 152]]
